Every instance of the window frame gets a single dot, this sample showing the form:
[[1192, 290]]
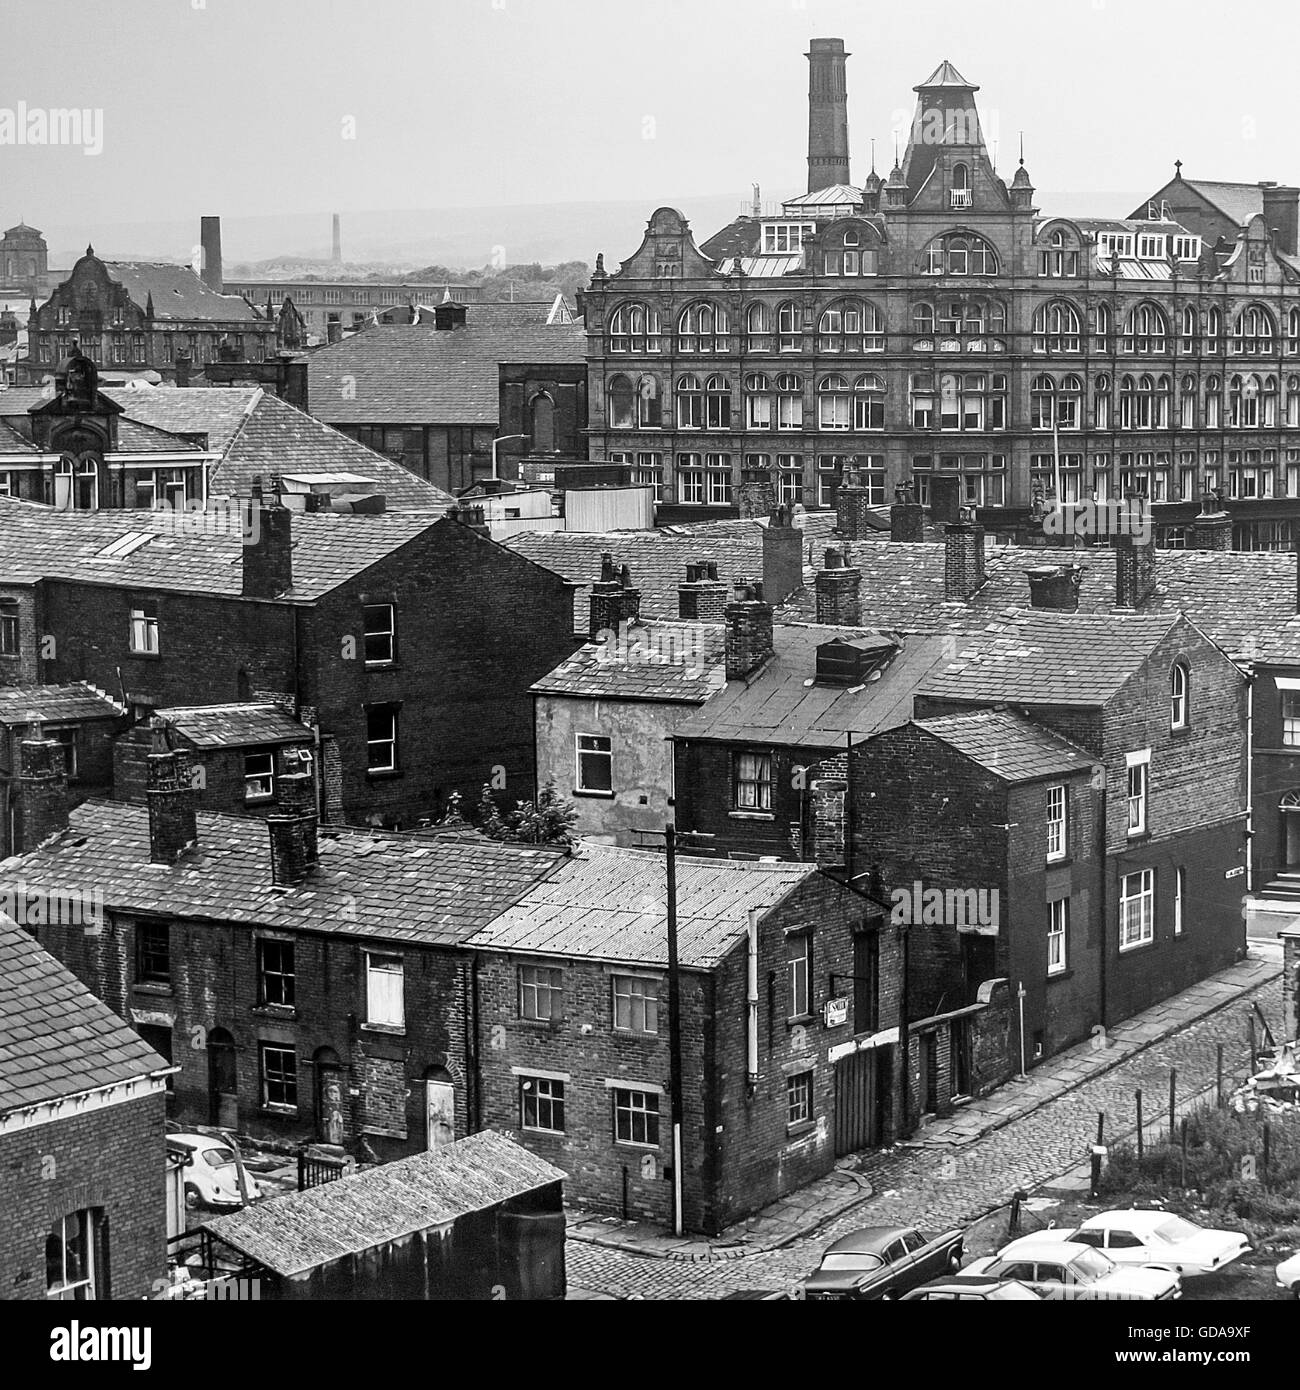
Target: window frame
[[264, 780], [642, 989], [647, 1113], [390, 740], [286, 980], [1144, 897], [1180, 710], [1058, 937], [799, 974], [287, 1080], [144, 637], [531, 986], [580, 757], [1058, 837], [763, 781], [800, 1108], [389, 633], [375, 966], [147, 971], [552, 1102]]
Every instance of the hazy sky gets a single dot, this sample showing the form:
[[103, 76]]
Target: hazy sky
[[244, 106]]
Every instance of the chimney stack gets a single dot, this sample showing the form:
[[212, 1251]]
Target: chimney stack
[[852, 506], [839, 593], [1055, 587], [963, 570], [268, 558], [1212, 530], [1282, 211], [782, 555], [336, 251], [613, 599], [334, 331], [42, 787], [749, 631], [828, 114], [827, 811], [210, 242], [293, 828], [183, 364], [906, 516], [169, 792], [1135, 559], [703, 597]]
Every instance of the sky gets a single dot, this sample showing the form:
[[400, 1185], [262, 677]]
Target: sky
[[261, 107]]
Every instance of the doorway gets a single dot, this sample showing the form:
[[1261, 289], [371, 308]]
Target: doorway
[[329, 1096], [439, 1108], [223, 1080]]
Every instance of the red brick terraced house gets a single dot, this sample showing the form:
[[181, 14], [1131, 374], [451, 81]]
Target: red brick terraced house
[[82, 1117]]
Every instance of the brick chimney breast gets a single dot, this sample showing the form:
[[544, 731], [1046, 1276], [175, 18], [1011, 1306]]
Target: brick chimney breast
[[170, 794], [906, 516], [782, 555], [852, 508], [1135, 564], [268, 559], [42, 791], [613, 599], [703, 597], [749, 631], [1212, 529], [839, 593], [963, 558], [294, 827]]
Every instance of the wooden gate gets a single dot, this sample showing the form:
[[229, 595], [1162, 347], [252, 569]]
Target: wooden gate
[[857, 1101]]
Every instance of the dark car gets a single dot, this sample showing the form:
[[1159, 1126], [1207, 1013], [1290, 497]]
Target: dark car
[[883, 1262], [972, 1288]]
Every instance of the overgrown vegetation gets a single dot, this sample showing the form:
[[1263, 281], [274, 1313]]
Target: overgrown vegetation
[[546, 821]]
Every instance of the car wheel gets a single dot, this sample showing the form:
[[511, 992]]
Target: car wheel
[[191, 1196], [954, 1262]]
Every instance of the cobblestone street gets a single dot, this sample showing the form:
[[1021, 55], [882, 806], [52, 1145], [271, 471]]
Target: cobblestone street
[[934, 1188]]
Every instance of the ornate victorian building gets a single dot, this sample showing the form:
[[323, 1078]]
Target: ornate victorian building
[[936, 322]]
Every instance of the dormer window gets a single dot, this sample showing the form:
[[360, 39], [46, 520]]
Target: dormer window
[[960, 194]]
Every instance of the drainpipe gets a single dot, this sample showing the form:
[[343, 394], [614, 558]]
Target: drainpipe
[[1250, 780], [751, 1032]]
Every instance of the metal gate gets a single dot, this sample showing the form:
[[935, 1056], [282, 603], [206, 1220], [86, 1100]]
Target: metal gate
[[857, 1101]]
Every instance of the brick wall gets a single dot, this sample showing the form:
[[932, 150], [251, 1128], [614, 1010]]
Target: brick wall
[[112, 1159], [703, 780], [25, 666]]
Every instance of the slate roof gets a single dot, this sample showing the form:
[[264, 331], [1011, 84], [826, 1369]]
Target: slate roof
[[678, 663], [214, 413], [233, 726], [782, 706], [1240, 201], [329, 548], [426, 891], [135, 437], [56, 703], [178, 293], [1047, 658], [56, 1038], [418, 375], [738, 238], [304, 1230], [609, 904], [1010, 747], [11, 442]]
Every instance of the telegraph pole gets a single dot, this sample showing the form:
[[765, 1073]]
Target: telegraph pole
[[674, 1027]]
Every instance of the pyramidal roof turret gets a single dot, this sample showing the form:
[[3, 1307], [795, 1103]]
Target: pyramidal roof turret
[[946, 128], [945, 75]]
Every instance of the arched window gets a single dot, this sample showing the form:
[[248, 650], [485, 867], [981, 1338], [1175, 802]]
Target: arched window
[[1056, 327], [1042, 403], [758, 328], [834, 405], [1213, 402], [1213, 329], [634, 328], [1137, 403], [1293, 402], [1244, 394], [869, 403], [758, 401], [717, 403], [1253, 332], [649, 403], [1102, 327], [923, 320], [1060, 258], [1101, 402], [1160, 403], [542, 424], [76, 483], [789, 327], [960, 176], [789, 402], [1187, 403], [1069, 403], [851, 326], [1293, 333], [959, 253], [1187, 319], [690, 403], [1268, 404], [1146, 330], [1179, 710], [703, 328], [622, 407]]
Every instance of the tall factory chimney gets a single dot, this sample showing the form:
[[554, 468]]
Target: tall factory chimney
[[828, 114], [210, 241], [337, 254]]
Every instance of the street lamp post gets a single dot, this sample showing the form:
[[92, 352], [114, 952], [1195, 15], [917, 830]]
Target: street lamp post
[[503, 439]]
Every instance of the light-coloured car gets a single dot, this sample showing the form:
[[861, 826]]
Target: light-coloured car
[[973, 1288], [1159, 1238], [1063, 1271], [210, 1175], [1288, 1275]]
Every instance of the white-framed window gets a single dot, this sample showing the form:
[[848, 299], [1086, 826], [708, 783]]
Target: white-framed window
[[785, 238], [718, 479], [717, 403], [595, 764], [279, 1076], [789, 402], [758, 327], [690, 403], [1058, 835], [381, 738], [1137, 909], [799, 1099], [70, 1257], [1178, 709], [753, 781], [1180, 891], [259, 776], [541, 993], [541, 1104], [798, 956], [385, 995], [690, 479], [1138, 764], [636, 1004], [1058, 923], [144, 629], [381, 634], [636, 1117], [1291, 718], [758, 402], [789, 327], [789, 478]]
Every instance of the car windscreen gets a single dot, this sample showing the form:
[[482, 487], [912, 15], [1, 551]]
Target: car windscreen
[[219, 1158], [854, 1261], [1091, 1263], [1176, 1229]]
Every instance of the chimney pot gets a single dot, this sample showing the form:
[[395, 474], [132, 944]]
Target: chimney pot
[[703, 597]]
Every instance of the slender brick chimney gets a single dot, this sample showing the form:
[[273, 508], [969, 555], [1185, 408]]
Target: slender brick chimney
[[268, 558], [1212, 530], [828, 114], [169, 792], [703, 597], [963, 571], [906, 516], [782, 555], [852, 507], [210, 243], [1055, 587], [613, 599], [749, 631], [839, 593], [293, 828], [1135, 562], [42, 787]]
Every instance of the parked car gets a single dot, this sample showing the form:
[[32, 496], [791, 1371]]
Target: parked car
[[1159, 1238], [972, 1288], [1288, 1275], [883, 1262], [211, 1176], [1064, 1271]]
